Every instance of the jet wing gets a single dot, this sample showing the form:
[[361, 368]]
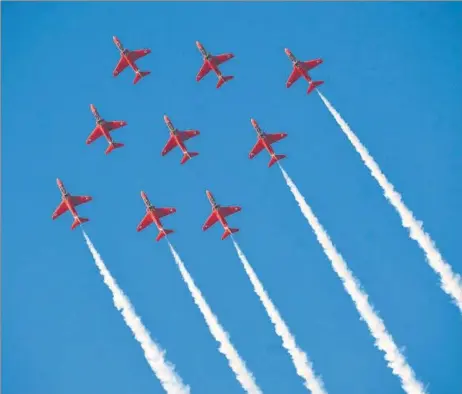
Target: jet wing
[[272, 138], [109, 126], [211, 220], [187, 134], [146, 221], [293, 77], [219, 59], [171, 143], [310, 64], [62, 207], [205, 69], [226, 211], [94, 135], [122, 65], [77, 200], [135, 55], [161, 212], [258, 147]]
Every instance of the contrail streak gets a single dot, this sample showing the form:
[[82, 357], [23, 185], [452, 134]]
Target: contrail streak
[[383, 340], [451, 282], [238, 366], [303, 366], [164, 371]]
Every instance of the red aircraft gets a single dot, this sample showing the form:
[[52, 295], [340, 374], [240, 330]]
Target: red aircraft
[[104, 128], [211, 63], [177, 138], [301, 69], [69, 202], [153, 215], [128, 58], [218, 214], [264, 141]]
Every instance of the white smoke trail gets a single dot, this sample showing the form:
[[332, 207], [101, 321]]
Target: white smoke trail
[[451, 282], [303, 366], [383, 340], [164, 370], [238, 366]]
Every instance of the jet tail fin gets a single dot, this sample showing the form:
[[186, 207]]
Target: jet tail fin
[[140, 75], [313, 85], [113, 146], [222, 80], [162, 234], [187, 156], [78, 222], [275, 159], [228, 232]]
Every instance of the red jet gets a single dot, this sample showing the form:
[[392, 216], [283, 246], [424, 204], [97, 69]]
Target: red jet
[[104, 128], [177, 138], [264, 141], [218, 214], [301, 69], [211, 63], [153, 215], [69, 202], [128, 58]]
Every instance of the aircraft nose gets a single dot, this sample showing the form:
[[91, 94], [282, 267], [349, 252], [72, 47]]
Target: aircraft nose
[[286, 51], [198, 44]]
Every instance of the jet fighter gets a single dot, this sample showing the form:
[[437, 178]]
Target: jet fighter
[[68, 203], [218, 214], [264, 141], [177, 138], [128, 58], [153, 215], [211, 63], [301, 69], [103, 128]]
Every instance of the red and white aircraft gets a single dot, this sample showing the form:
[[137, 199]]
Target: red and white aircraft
[[153, 215], [128, 58], [264, 141], [218, 214], [301, 69], [68, 203], [211, 63], [177, 138], [103, 128]]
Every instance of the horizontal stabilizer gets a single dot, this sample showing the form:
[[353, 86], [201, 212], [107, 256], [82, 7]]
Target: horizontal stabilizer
[[275, 158], [228, 232], [113, 146], [140, 75], [78, 222], [162, 234], [314, 85], [187, 156], [222, 80]]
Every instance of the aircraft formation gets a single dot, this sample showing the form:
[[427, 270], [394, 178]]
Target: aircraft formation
[[177, 138]]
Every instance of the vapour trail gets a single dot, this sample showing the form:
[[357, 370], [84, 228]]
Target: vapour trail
[[303, 366], [163, 369], [383, 340], [451, 282], [238, 366]]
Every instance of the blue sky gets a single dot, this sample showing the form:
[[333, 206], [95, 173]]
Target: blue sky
[[393, 73]]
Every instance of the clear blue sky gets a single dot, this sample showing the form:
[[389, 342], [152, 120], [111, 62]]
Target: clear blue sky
[[391, 70]]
